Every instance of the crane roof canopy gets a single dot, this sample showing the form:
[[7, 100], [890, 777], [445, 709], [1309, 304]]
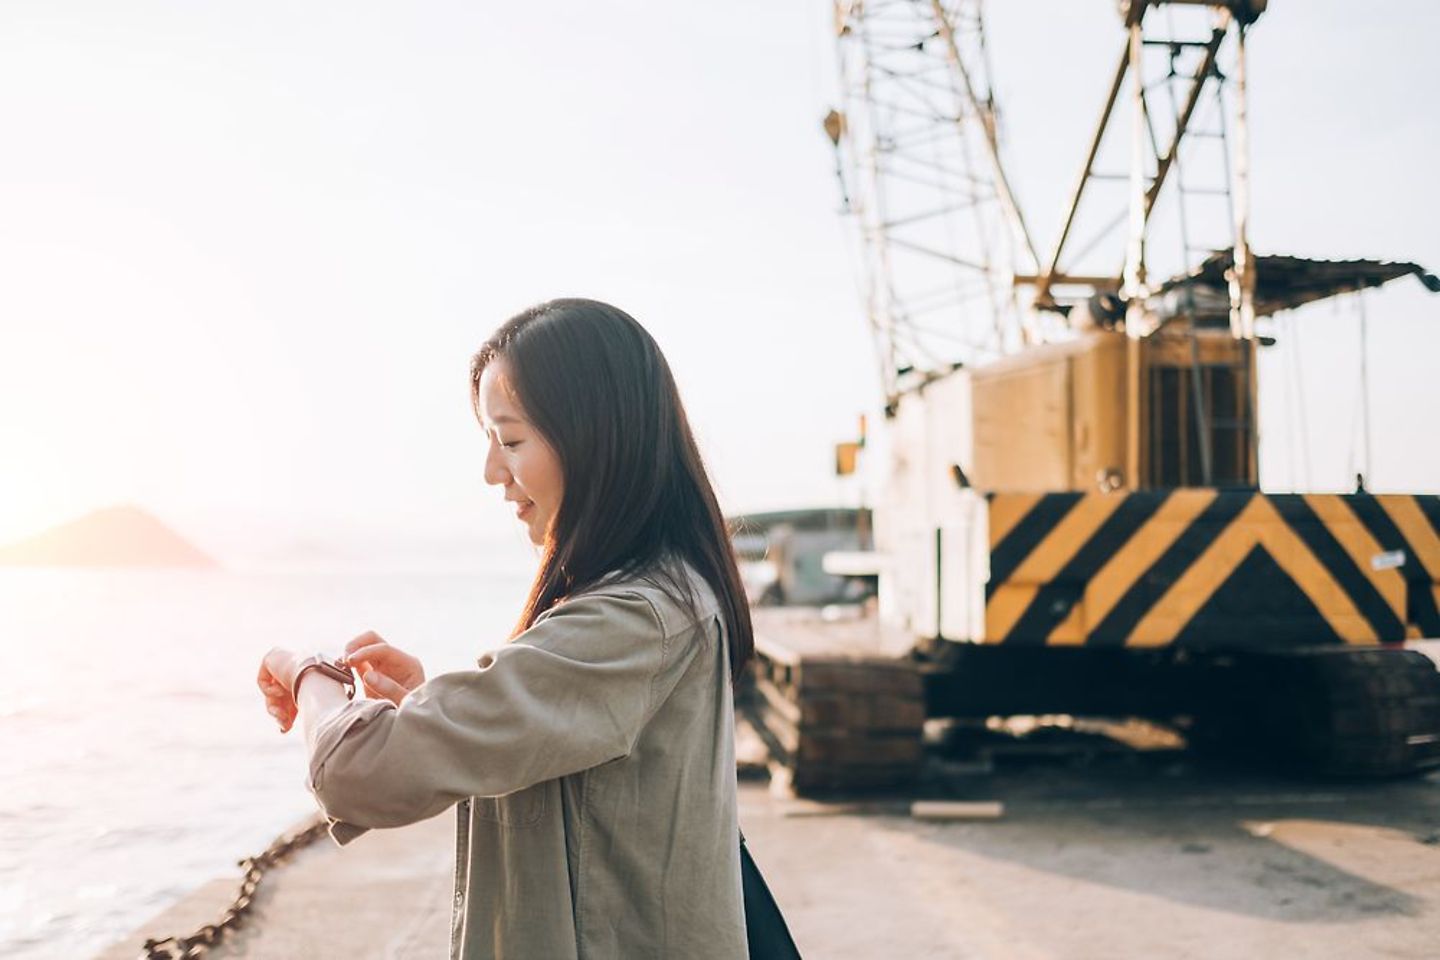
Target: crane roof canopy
[[1284, 283]]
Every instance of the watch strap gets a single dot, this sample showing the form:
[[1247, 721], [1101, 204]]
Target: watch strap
[[337, 670]]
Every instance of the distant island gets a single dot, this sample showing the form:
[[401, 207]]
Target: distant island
[[123, 536]]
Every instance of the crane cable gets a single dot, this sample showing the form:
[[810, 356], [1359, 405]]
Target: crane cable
[[1297, 372], [1361, 427]]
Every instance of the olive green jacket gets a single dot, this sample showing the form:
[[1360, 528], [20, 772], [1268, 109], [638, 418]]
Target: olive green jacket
[[591, 761]]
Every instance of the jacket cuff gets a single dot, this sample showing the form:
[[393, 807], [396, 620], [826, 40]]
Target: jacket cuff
[[327, 740]]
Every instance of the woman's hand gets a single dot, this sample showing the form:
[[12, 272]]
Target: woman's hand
[[387, 672], [277, 682]]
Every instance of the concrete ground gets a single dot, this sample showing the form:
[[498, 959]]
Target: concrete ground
[[1102, 856]]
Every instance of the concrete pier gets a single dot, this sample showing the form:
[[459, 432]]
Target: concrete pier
[[386, 894], [1140, 855]]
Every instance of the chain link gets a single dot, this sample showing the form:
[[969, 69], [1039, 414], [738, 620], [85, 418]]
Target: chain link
[[200, 942]]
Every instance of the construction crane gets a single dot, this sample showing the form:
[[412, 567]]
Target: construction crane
[[1071, 519]]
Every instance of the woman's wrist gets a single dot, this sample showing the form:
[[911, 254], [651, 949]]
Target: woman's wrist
[[286, 670], [317, 688], [319, 696]]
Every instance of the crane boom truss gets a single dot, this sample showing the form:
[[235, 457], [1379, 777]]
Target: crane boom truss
[[920, 164]]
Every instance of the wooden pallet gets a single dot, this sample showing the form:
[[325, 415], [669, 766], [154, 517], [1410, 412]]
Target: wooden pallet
[[834, 714]]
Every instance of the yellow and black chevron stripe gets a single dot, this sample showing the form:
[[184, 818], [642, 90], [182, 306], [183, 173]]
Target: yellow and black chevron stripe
[[1208, 567]]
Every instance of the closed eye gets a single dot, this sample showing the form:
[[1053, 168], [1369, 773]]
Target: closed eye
[[512, 444]]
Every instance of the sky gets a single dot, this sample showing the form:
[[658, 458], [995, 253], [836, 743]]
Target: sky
[[247, 249]]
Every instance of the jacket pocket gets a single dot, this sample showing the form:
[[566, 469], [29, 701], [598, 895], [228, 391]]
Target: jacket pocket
[[523, 808]]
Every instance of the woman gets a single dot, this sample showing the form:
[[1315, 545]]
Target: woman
[[591, 758]]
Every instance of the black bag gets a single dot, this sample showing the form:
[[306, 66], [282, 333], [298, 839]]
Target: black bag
[[765, 929]]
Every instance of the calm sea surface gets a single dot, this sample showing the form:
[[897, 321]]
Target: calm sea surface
[[138, 760]]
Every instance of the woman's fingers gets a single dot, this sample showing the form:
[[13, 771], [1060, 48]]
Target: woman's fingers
[[381, 686], [279, 703], [365, 639], [400, 667], [280, 664], [278, 698], [370, 652], [271, 679], [283, 713], [285, 718]]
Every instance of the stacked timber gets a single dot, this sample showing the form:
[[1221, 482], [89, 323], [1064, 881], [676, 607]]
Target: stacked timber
[[832, 718]]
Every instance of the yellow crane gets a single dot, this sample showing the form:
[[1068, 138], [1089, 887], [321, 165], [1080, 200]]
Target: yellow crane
[[1071, 520]]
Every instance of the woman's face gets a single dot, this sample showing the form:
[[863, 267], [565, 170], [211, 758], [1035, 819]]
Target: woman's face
[[518, 458]]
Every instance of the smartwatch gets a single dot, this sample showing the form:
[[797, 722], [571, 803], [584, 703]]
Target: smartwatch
[[336, 669]]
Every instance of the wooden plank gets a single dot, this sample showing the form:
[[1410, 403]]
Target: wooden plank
[[832, 712], [832, 747], [859, 711], [781, 754], [827, 748], [784, 734], [774, 650], [780, 674], [778, 702], [861, 677]]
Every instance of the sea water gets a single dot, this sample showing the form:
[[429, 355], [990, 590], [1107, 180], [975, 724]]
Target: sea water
[[137, 760]]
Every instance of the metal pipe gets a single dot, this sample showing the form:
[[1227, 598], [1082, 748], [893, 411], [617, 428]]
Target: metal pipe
[[1242, 274], [1047, 276], [1065, 279], [939, 583], [1134, 287], [1364, 382], [1202, 418]]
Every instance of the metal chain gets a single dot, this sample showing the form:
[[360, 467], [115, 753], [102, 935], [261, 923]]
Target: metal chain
[[200, 942]]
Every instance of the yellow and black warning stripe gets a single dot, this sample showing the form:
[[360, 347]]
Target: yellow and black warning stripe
[[1212, 567]]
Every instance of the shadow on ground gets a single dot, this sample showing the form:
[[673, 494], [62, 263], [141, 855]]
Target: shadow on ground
[[1225, 838]]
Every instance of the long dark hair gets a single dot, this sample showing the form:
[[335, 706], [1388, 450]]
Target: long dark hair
[[596, 386]]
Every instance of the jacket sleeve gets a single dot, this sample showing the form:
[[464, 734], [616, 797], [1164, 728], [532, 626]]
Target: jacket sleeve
[[572, 692]]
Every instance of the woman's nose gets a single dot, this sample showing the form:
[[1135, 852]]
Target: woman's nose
[[495, 472]]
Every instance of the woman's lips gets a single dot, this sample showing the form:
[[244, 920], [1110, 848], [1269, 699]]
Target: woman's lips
[[524, 508]]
